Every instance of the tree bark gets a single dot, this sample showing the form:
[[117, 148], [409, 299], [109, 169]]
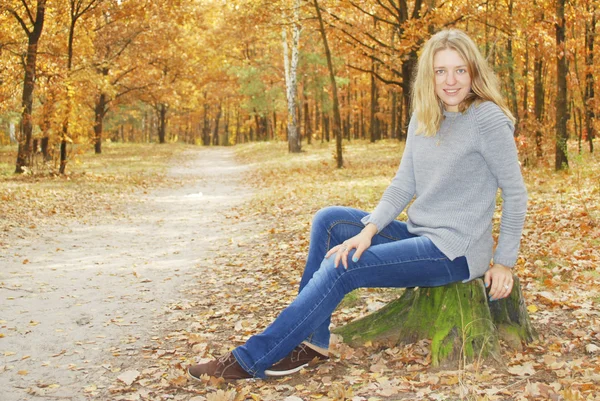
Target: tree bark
[[538, 97], [206, 128], [408, 67], [458, 319], [33, 36], [373, 126], [337, 119], [511, 72], [291, 68], [590, 32], [100, 111], [216, 130], [162, 123], [561, 159]]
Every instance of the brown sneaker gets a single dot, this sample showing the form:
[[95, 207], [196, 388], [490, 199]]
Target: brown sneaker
[[226, 367], [299, 358]]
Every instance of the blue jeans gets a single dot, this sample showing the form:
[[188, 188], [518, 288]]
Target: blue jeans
[[396, 259]]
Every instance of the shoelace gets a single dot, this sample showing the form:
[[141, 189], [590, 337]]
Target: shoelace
[[296, 355], [224, 358]]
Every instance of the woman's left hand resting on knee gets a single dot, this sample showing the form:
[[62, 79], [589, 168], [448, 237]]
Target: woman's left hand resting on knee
[[361, 242], [500, 278]]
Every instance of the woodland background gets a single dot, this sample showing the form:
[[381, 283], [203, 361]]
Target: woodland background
[[75, 73], [98, 101]]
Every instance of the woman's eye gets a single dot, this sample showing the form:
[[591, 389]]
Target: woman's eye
[[461, 70], [439, 72]]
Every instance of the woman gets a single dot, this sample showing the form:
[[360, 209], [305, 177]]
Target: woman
[[459, 151]]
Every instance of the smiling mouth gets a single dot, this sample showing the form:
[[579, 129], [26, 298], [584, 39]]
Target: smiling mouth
[[451, 91]]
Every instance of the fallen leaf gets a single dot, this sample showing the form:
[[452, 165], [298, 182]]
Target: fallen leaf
[[90, 389], [23, 372], [522, 370], [179, 381], [592, 348], [129, 377], [221, 395]]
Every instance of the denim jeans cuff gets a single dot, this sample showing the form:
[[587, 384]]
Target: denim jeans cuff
[[317, 344], [245, 366]]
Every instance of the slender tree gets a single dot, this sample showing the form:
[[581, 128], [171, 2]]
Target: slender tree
[[590, 32], [337, 119], [33, 32], [77, 8], [291, 68], [561, 160]]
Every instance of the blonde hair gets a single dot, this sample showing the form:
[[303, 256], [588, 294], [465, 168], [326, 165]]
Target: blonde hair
[[426, 105]]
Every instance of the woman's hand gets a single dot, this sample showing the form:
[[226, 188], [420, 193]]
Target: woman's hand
[[360, 242], [500, 278]]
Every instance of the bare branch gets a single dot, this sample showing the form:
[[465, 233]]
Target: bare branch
[[372, 15], [29, 14], [415, 13], [394, 13], [20, 21], [117, 79], [377, 75]]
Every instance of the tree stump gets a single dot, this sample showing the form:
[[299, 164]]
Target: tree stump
[[458, 319]]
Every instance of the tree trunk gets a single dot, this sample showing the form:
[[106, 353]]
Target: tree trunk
[[63, 156], [373, 125], [408, 67], [590, 32], [458, 319], [44, 145], [206, 128], [307, 126], [216, 130], [24, 148], [100, 111], [337, 119], [162, 123], [226, 126], [291, 67], [561, 160], [511, 72], [394, 109], [538, 97]]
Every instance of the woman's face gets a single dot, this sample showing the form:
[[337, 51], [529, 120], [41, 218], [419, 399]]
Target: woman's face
[[452, 79]]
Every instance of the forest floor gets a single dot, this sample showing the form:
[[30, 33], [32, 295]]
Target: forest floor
[[114, 301]]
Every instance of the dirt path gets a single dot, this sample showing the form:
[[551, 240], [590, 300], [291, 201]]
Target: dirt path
[[73, 298]]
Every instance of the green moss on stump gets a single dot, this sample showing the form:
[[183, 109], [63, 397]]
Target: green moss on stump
[[457, 317]]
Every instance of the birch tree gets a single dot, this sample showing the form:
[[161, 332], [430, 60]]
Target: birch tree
[[291, 68]]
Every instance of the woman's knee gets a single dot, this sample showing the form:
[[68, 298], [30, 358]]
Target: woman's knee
[[328, 216], [328, 274]]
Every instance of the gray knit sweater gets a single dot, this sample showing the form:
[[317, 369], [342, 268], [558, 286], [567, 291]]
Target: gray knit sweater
[[454, 177]]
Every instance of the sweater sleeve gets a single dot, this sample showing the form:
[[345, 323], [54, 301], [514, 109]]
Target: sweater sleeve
[[401, 190], [500, 153]]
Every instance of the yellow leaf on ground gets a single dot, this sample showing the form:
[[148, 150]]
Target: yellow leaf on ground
[[532, 308], [522, 370], [23, 372]]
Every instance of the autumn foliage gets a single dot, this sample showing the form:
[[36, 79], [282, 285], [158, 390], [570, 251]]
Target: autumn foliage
[[211, 72]]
